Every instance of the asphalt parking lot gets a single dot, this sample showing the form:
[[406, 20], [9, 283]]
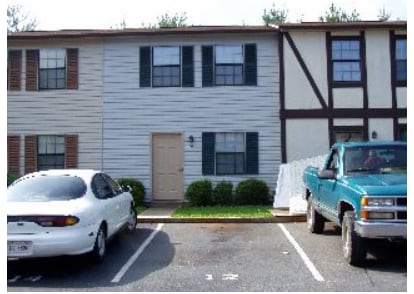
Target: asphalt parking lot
[[218, 257]]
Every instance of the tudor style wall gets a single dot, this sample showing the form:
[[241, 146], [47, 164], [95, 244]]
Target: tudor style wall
[[315, 109], [132, 113], [73, 112]]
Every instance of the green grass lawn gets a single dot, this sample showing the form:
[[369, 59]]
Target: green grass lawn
[[140, 209], [261, 211]]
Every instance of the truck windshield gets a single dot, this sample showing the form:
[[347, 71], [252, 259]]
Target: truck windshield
[[380, 159]]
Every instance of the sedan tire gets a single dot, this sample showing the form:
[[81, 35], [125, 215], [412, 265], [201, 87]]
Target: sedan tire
[[99, 249]]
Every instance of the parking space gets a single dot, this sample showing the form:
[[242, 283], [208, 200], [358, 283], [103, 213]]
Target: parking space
[[217, 257]]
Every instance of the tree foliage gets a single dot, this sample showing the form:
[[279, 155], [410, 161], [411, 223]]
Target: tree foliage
[[176, 21], [383, 15], [337, 14], [274, 15], [18, 20]]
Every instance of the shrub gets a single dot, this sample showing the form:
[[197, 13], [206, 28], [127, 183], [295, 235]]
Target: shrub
[[223, 193], [138, 189], [199, 193], [252, 191], [11, 179]]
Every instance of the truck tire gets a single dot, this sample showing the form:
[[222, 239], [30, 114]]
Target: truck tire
[[353, 246], [315, 220]]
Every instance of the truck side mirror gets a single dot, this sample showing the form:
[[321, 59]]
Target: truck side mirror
[[327, 174]]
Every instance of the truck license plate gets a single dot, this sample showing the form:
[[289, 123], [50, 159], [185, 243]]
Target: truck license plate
[[19, 248]]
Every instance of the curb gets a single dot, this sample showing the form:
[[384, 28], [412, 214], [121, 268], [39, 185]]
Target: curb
[[276, 219]]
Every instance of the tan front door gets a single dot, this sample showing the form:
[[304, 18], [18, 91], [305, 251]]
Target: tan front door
[[167, 167]]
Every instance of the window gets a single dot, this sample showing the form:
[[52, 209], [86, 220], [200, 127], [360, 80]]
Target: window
[[401, 59], [166, 67], [230, 153], [229, 65], [402, 132], [50, 152], [348, 134], [346, 60], [52, 69]]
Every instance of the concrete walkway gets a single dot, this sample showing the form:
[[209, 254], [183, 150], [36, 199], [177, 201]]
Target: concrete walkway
[[164, 215]]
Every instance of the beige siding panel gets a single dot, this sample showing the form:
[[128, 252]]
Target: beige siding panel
[[348, 97], [383, 127], [306, 138], [378, 69], [348, 122], [64, 111]]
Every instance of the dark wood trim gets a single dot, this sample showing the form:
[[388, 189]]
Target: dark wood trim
[[306, 70], [282, 98], [396, 128], [283, 139], [343, 113], [363, 63], [329, 68], [331, 132]]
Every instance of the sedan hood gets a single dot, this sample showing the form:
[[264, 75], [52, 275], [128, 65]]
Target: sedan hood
[[379, 184]]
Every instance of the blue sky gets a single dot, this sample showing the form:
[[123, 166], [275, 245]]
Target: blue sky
[[86, 14]]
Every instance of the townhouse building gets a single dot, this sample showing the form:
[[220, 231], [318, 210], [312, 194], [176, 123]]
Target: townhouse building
[[165, 106], [341, 82]]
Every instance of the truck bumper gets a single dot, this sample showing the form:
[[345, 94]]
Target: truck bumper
[[381, 230]]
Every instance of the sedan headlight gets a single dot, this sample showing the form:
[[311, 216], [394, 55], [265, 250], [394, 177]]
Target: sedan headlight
[[377, 201]]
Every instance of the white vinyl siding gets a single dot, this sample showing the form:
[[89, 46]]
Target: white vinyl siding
[[63, 111], [132, 113]]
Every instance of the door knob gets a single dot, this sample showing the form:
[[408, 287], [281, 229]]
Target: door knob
[[181, 169]]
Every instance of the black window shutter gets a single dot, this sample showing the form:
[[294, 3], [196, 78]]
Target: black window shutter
[[145, 66], [250, 65], [252, 153], [208, 65], [208, 153], [188, 66]]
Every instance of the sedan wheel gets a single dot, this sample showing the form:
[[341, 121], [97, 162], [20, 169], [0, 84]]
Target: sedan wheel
[[132, 220], [99, 250]]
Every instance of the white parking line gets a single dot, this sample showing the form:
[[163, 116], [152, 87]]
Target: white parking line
[[134, 257], [303, 255]]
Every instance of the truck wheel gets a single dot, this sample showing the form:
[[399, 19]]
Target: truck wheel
[[353, 246], [315, 220]]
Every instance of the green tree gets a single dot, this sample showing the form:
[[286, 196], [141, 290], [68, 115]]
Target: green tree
[[337, 14], [176, 21], [383, 15], [18, 20], [274, 15]]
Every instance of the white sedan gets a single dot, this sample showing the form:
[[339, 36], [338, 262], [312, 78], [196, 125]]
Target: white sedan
[[66, 212]]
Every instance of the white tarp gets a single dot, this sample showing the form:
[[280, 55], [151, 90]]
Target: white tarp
[[290, 186]]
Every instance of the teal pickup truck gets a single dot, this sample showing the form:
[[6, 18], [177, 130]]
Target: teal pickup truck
[[362, 187]]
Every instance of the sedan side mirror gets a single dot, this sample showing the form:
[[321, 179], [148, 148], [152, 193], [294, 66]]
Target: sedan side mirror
[[327, 174]]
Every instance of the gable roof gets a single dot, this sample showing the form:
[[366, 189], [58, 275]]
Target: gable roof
[[357, 25]]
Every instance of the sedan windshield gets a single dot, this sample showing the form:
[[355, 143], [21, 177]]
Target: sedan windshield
[[381, 159], [46, 188]]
